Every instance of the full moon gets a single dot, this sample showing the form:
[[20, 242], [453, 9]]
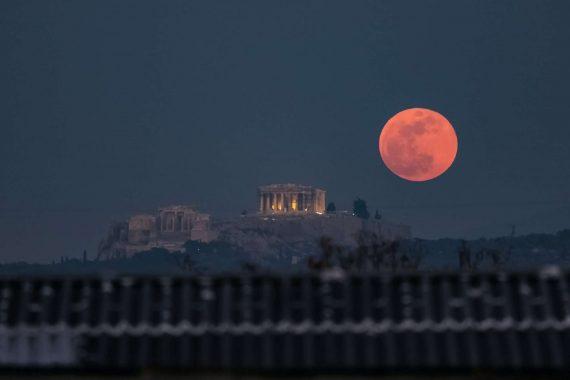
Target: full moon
[[418, 144]]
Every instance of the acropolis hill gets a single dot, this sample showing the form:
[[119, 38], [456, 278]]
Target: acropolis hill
[[290, 218]]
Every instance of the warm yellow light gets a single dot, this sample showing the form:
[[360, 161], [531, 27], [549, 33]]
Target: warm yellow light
[[294, 204]]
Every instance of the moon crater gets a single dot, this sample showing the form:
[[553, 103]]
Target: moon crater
[[418, 144]]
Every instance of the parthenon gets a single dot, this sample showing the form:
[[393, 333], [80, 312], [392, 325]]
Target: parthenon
[[288, 214], [291, 199]]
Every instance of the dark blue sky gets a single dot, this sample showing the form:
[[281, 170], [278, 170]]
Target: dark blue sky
[[112, 107]]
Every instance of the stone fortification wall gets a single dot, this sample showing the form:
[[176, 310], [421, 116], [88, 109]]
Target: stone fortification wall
[[300, 235], [259, 235]]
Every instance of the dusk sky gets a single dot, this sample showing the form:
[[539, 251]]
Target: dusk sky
[[109, 108]]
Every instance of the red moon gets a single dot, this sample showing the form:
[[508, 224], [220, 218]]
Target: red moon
[[418, 144]]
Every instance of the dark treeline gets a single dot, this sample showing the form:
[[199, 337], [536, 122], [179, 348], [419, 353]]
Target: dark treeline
[[371, 253]]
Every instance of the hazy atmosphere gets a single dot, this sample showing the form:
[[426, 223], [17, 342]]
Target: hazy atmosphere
[[108, 108]]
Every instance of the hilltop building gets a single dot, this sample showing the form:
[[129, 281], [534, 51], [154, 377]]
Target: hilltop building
[[291, 199], [171, 223], [169, 228], [291, 218]]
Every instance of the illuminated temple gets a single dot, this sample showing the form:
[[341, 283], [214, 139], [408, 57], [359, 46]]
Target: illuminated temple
[[290, 218], [291, 199]]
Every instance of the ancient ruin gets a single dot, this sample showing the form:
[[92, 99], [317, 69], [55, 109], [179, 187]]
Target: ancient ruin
[[291, 199], [169, 228], [291, 218]]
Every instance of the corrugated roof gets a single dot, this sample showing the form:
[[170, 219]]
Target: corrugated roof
[[316, 322]]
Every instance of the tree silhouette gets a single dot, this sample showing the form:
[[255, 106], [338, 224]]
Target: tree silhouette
[[360, 209], [377, 215], [371, 254], [331, 208], [464, 253]]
